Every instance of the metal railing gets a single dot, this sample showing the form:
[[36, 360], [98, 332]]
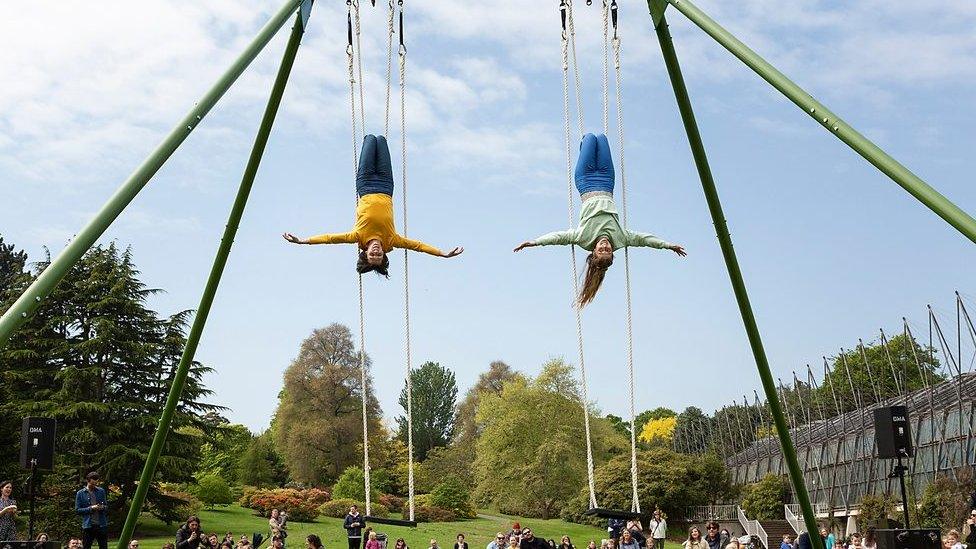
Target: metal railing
[[752, 527], [791, 511], [702, 513]]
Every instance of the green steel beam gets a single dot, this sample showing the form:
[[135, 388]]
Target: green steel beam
[[206, 300], [938, 203], [732, 264], [28, 302]]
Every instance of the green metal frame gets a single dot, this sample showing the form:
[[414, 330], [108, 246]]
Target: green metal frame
[[28, 302]]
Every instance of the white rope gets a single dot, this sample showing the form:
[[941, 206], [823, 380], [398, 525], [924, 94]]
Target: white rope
[[606, 70], [359, 64], [406, 270], [576, 74], [351, 54], [389, 68], [635, 498], [566, 37]]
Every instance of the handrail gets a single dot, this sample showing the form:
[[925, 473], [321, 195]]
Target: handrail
[[762, 535], [700, 513], [790, 510]]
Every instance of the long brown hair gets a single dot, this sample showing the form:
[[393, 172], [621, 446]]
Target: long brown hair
[[596, 269]]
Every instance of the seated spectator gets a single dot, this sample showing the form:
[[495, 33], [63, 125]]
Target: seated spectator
[[565, 543], [313, 542], [627, 540], [529, 541], [787, 542], [498, 543], [402, 544], [433, 544], [695, 539], [459, 542]]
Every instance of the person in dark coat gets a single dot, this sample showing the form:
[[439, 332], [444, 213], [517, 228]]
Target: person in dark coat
[[529, 541], [354, 525], [803, 542], [189, 535]]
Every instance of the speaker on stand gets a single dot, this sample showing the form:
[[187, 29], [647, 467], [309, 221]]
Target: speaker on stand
[[36, 452]]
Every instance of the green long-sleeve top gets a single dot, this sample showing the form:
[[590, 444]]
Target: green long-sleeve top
[[598, 218]]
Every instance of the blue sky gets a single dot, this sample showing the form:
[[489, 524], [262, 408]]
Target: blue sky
[[831, 249]]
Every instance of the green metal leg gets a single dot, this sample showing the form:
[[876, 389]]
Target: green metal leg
[[732, 264], [939, 204], [28, 302], [220, 260]]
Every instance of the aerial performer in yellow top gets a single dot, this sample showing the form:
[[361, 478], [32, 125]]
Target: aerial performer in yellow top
[[599, 229], [374, 231]]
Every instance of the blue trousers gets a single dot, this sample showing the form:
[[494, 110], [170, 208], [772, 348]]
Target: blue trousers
[[594, 167], [375, 173]]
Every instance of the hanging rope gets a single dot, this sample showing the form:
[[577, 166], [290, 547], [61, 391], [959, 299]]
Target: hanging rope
[[354, 57], [406, 277], [359, 64], [566, 16], [389, 67]]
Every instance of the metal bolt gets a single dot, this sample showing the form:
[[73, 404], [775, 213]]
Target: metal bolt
[[813, 110], [37, 298], [835, 128], [24, 314], [191, 127], [824, 120]]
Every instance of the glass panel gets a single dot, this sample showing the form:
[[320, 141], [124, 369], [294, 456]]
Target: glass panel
[[952, 423], [925, 431]]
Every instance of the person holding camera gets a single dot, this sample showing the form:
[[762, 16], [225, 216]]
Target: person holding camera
[[91, 502], [189, 536]]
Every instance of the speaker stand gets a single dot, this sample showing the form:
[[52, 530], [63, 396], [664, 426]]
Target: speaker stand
[[899, 471], [30, 497]]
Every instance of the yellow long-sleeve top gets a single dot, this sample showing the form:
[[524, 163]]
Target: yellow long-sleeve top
[[374, 219]]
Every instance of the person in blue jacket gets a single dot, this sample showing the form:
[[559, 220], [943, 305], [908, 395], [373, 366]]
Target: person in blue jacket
[[91, 502]]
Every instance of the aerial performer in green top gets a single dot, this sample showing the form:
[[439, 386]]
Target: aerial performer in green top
[[599, 230]]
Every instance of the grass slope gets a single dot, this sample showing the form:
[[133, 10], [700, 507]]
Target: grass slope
[[479, 532]]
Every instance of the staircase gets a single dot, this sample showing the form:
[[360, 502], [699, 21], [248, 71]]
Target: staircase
[[775, 529]]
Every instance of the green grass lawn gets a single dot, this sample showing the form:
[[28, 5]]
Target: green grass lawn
[[479, 532]]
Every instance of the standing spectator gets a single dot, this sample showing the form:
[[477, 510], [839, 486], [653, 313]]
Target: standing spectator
[[91, 502], [498, 543], [565, 543], [354, 525], [713, 538], [971, 537], [8, 512], [372, 542], [787, 543], [659, 529], [869, 540], [459, 542], [637, 532], [529, 541], [627, 540], [803, 541], [274, 523], [828, 538], [614, 527], [313, 542], [695, 539], [188, 536]]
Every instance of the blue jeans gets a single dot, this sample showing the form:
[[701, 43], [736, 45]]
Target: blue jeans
[[375, 173], [594, 167]]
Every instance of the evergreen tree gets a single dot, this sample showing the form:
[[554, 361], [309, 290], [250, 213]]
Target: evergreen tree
[[434, 401]]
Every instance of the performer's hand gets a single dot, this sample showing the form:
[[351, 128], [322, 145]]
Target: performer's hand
[[293, 239], [678, 250], [522, 246], [456, 251]]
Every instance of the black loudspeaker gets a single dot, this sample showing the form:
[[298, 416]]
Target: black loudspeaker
[[920, 538], [892, 432], [37, 442]]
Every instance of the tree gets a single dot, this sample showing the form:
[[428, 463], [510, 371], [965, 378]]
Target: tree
[[98, 360], [260, 464], [213, 490], [352, 485], [658, 431], [441, 463], [692, 431], [466, 430], [434, 398], [666, 480], [532, 437], [318, 423], [221, 454], [764, 500]]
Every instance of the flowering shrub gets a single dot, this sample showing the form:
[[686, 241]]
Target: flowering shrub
[[301, 505], [395, 504], [427, 513]]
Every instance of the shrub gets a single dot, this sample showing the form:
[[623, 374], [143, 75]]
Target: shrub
[[427, 513], [338, 508], [943, 503], [187, 504], [247, 492], [395, 504], [874, 511], [351, 485], [213, 490], [301, 505], [453, 496], [765, 499]]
